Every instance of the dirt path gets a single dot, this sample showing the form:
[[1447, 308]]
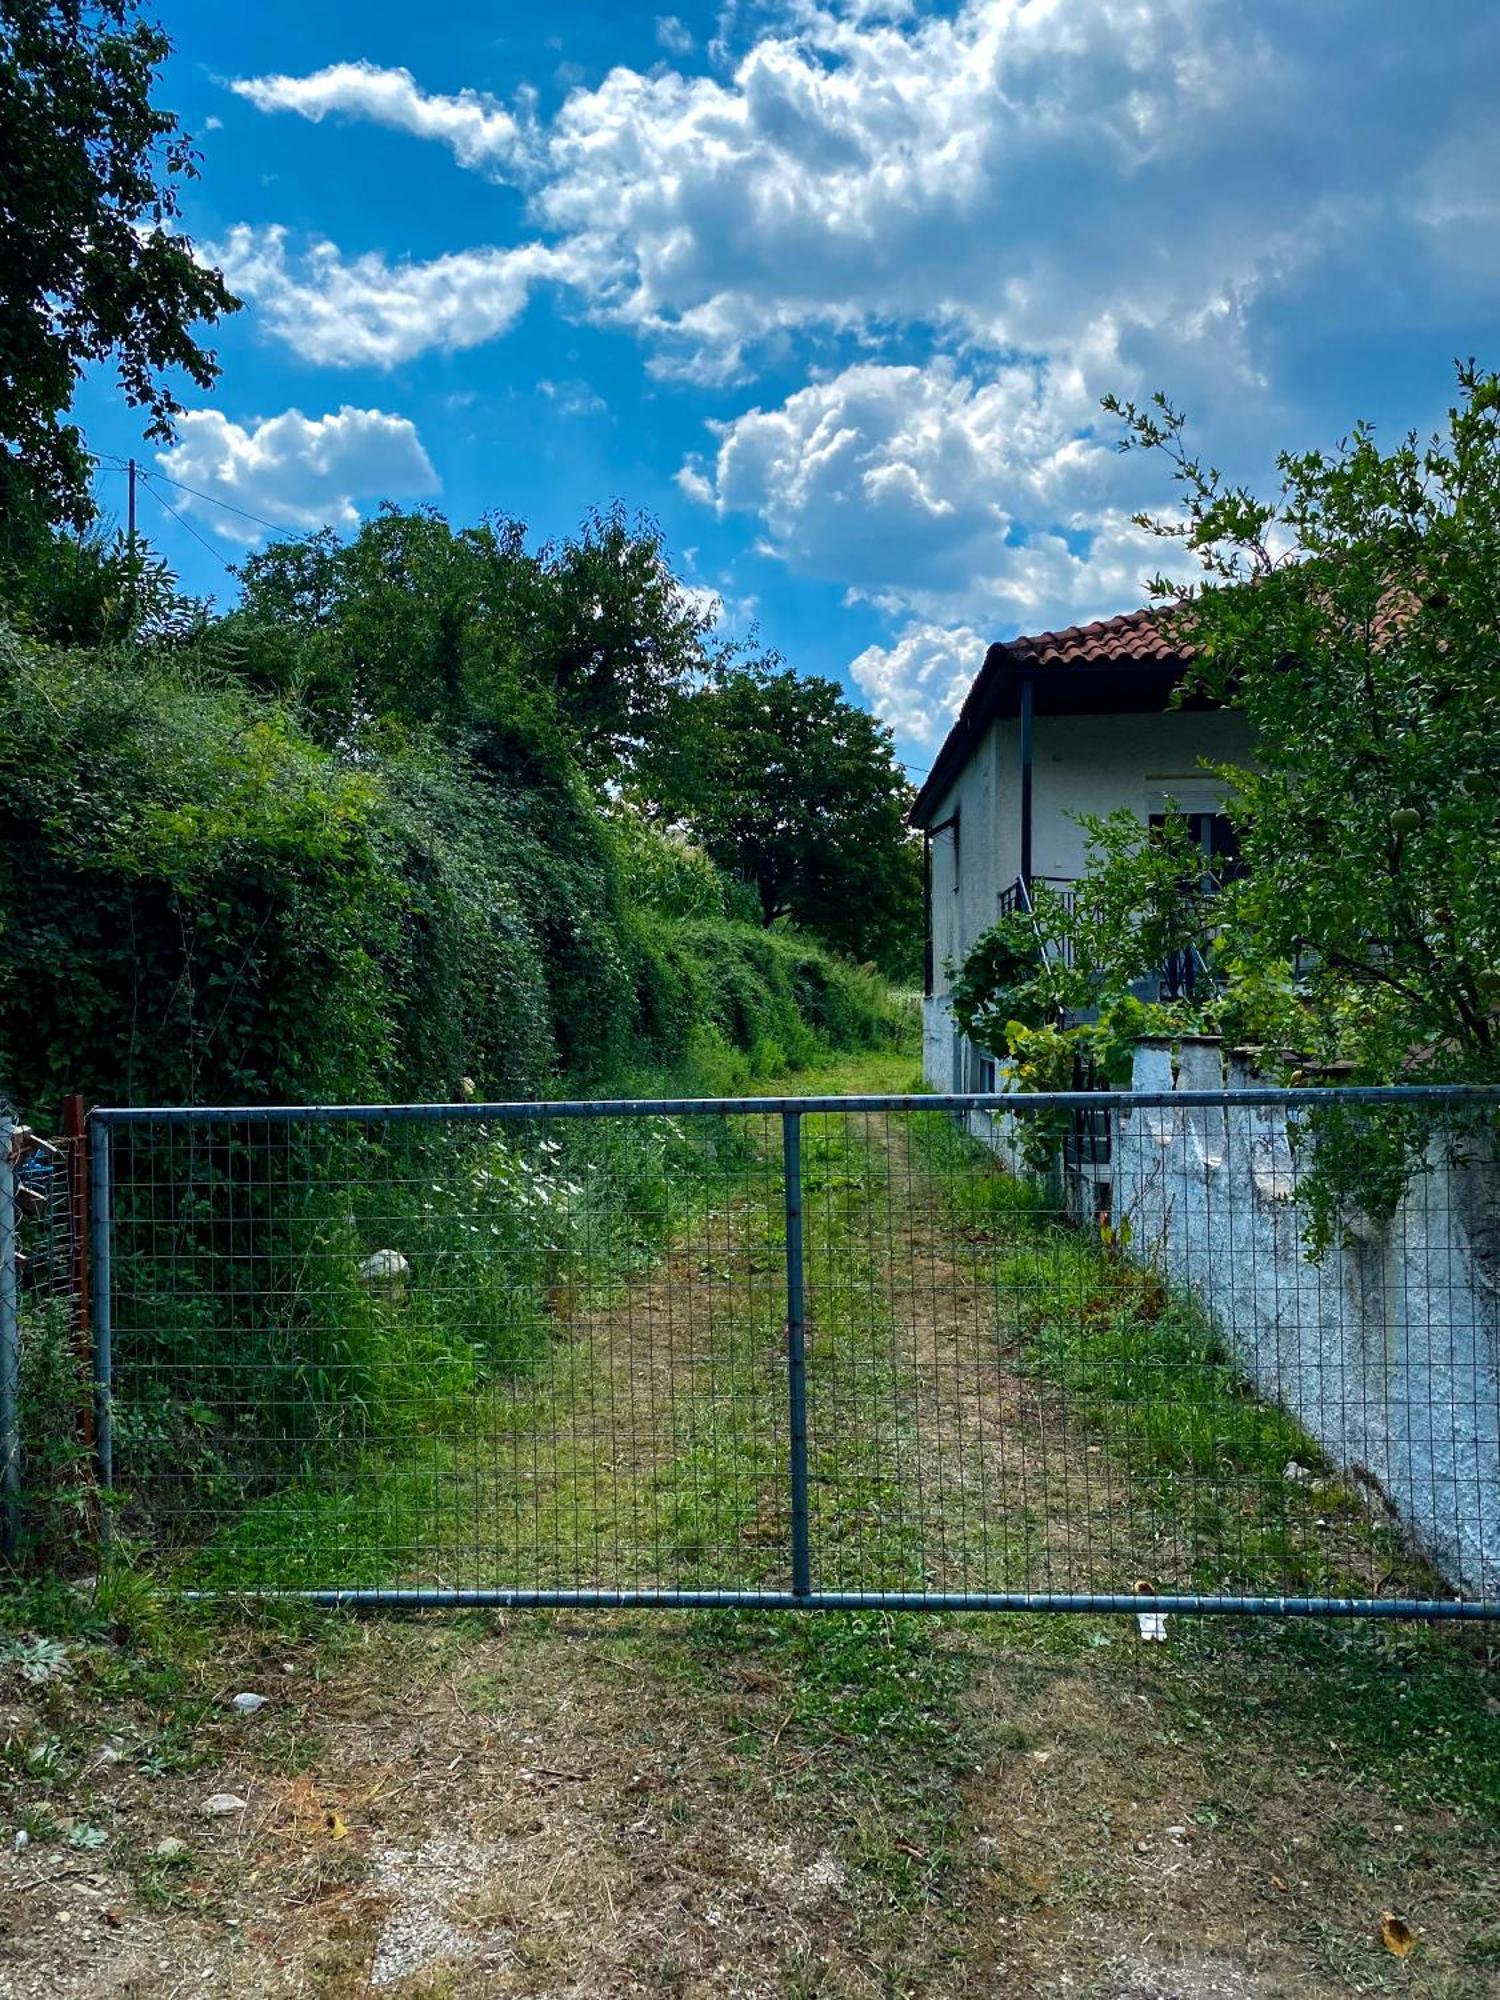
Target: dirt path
[[1004, 1488], [603, 1468], [800, 1808]]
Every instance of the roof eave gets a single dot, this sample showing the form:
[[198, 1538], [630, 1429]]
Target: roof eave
[[1112, 688]]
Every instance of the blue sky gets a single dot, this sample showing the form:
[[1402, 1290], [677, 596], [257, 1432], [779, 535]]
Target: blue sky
[[832, 289]]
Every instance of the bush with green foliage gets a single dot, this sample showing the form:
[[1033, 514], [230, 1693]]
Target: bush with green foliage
[[203, 904], [207, 904], [1354, 620]]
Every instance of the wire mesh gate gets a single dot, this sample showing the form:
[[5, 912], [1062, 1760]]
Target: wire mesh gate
[[1191, 1351]]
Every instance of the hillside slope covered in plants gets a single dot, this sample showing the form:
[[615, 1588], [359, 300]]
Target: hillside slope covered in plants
[[414, 818]]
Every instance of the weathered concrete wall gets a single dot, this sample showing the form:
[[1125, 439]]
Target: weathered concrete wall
[[941, 1049], [1387, 1352]]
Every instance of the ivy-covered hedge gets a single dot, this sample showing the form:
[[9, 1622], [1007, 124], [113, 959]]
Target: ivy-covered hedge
[[199, 903]]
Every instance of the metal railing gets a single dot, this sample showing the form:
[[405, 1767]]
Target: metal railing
[[811, 1352], [1183, 974]]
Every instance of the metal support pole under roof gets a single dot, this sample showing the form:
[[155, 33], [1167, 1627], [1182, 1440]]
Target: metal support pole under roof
[[1026, 700]]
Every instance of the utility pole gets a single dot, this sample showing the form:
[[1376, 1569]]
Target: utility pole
[[135, 582]]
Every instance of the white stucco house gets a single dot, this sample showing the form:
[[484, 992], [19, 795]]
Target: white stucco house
[[1055, 725]]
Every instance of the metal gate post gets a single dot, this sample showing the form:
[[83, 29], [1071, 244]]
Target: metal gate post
[[75, 1133], [10, 1351], [99, 1221], [796, 1349]]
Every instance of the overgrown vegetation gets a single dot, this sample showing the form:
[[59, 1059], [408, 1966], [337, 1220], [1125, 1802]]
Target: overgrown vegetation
[[206, 903], [1353, 619]]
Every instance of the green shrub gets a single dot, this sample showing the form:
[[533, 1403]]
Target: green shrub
[[207, 904], [55, 1482]]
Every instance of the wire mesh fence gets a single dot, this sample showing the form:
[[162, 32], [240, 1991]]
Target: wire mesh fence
[[46, 1426], [1176, 1351]]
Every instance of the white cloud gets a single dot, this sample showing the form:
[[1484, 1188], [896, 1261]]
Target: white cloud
[[673, 36], [703, 600], [918, 684], [1019, 174], [969, 170], [930, 489], [475, 127], [301, 472], [364, 310], [960, 503], [911, 474]]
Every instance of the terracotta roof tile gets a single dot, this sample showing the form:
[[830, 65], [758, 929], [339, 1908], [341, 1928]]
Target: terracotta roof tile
[[1136, 639], [1134, 635]]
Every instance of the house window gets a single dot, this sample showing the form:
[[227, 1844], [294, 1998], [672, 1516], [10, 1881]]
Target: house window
[[987, 1076], [1214, 837]]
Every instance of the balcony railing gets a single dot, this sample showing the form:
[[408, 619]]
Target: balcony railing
[[1183, 976]]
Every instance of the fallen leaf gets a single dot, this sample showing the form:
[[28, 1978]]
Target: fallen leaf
[[1395, 1935], [337, 1825], [1277, 1883]]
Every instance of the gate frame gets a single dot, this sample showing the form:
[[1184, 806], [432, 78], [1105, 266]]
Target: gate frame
[[102, 1120]]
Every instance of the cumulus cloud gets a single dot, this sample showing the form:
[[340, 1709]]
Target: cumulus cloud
[[299, 471], [476, 128], [900, 479], [851, 168], [1023, 176], [1020, 175], [367, 310], [960, 502], [931, 489], [918, 684]]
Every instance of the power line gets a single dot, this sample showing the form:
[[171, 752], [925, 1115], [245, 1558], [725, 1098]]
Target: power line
[[276, 527], [114, 464], [167, 508]]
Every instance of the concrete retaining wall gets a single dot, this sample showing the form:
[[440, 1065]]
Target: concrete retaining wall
[[1386, 1351]]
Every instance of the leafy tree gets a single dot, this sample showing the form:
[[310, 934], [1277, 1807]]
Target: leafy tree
[[411, 625], [90, 171], [1355, 619], [608, 623], [415, 622], [790, 787]]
